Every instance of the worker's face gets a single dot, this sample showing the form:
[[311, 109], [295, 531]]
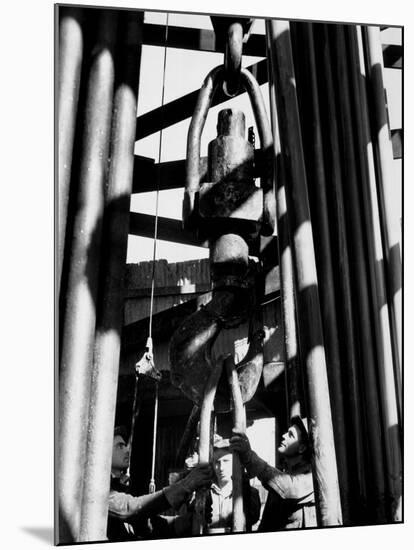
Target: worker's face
[[223, 465], [120, 453], [292, 443]]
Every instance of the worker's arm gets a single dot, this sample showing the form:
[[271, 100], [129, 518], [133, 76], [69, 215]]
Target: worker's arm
[[124, 506], [287, 486]]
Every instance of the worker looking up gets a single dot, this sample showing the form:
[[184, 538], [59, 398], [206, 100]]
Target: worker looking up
[[127, 512], [291, 497]]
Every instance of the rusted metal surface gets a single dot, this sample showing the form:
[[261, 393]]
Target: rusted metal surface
[[251, 86], [192, 186], [228, 212], [190, 349], [71, 45], [80, 317], [309, 317]]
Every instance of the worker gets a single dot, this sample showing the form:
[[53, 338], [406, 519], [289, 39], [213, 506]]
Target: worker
[[128, 514], [222, 492], [291, 502], [219, 505]]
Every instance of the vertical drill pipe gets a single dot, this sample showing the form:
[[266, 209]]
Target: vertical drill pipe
[[79, 327], [239, 423], [69, 75], [110, 317], [358, 259], [307, 87], [376, 220], [205, 445], [339, 239], [384, 158], [309, 317], [387, 383], [188, 435], [294, 398]]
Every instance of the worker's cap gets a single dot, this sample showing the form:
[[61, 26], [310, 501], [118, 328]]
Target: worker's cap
[[220, 442], [302, 424], [122, 431]]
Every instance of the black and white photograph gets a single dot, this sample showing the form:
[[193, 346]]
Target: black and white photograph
[[225, 277], [229, 274]]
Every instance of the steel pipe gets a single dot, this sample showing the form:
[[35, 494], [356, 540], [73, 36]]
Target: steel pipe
[[383, 155], [69, 75], [205, 444], [309, 317], [358, 260], [239, 423], [294, 393], [94, 512], [307, 86], [80, 317], [385, 369], [342, 276]]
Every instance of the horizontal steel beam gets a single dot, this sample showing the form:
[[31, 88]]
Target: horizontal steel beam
[[163, 323], [205, 40], [187, 289], [198, 39], [168, 230], [149, 176], [183, 107]]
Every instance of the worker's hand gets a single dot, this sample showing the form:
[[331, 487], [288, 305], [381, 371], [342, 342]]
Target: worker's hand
[[199, 476], [239, 442], [191, 461]]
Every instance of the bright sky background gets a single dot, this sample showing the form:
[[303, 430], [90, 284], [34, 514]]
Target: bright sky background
[[185, 72]]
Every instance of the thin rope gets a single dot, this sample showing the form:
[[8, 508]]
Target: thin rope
[[154, 442], [154, 435], [158, 188]]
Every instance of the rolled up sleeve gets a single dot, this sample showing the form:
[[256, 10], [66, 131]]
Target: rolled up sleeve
[[287, 486], [123, 505]]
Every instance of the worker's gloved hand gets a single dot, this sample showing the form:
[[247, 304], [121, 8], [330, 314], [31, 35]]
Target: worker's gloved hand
[[200, 475], [239, 442], [191, 461]]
